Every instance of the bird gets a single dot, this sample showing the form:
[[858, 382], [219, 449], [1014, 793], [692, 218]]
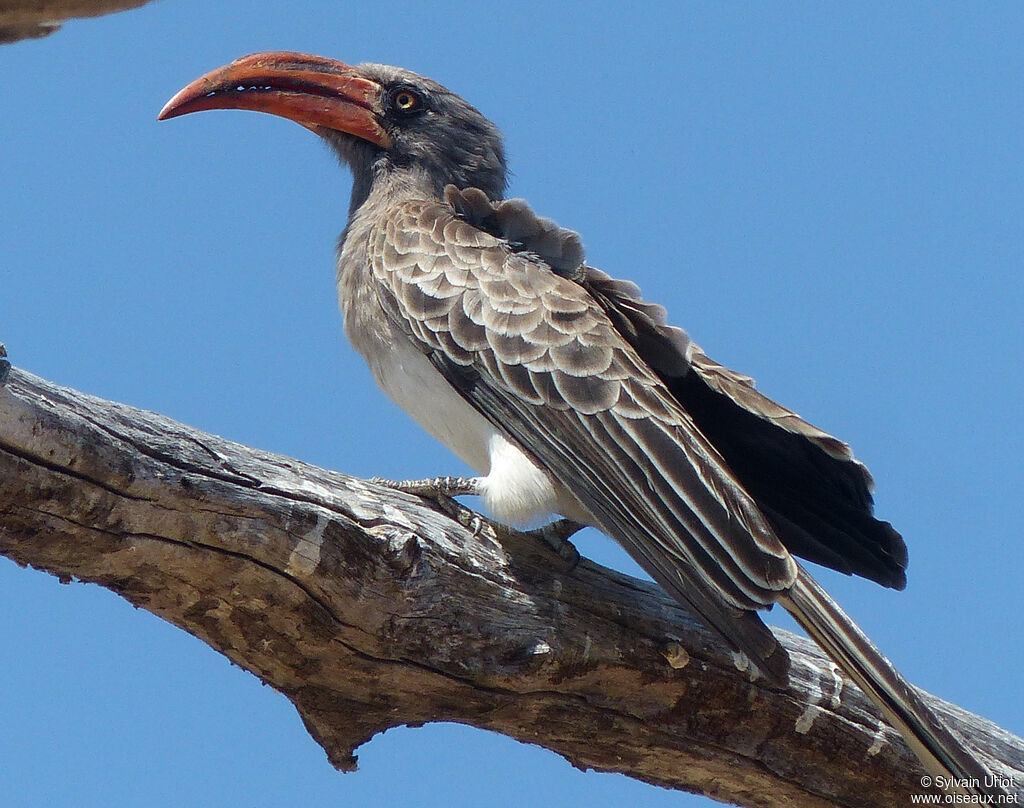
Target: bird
[[570, 394]]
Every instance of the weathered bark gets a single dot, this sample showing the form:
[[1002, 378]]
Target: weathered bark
[[369, 609], [31, 19]]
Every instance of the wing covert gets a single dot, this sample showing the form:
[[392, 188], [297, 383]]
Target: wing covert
[[810, 486], [540, 359]]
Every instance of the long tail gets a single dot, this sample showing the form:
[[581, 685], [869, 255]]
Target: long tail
[[941, 752]]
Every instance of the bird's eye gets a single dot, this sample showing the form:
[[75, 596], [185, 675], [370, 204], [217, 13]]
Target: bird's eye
[[406, 101]]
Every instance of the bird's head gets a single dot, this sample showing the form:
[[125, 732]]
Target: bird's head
[[382, 121]]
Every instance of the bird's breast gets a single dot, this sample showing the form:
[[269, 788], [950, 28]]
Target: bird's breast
[[513, 487], [415, 385]]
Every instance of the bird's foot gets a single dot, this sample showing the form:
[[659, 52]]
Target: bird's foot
[[555, 536], [442, 490]]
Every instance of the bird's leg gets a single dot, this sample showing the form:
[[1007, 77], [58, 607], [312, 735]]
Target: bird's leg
[[442, 490], [434, 486]]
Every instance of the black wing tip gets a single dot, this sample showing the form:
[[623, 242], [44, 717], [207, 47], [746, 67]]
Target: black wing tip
[[888, 564], [897, 579], [891, 569]]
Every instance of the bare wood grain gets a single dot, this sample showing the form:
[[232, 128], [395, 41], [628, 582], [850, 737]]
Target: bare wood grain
[[370, 609], [31, 19]]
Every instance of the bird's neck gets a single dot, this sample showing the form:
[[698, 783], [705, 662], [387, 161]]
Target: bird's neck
[[373, 196], [383, 186]]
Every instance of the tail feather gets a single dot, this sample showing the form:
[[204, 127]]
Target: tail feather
[[941, 752]]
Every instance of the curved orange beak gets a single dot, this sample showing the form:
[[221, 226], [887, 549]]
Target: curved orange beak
[[316, 92]]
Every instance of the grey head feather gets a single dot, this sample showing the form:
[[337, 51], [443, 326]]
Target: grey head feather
[[449, 140]]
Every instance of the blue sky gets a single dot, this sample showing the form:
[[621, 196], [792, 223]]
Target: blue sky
[[828, 197]]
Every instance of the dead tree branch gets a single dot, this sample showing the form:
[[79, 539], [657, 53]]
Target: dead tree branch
[[369, 609], [31, 19]]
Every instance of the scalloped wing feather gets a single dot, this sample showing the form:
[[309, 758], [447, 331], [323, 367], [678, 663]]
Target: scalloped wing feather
[[540, 359], [816, 494]]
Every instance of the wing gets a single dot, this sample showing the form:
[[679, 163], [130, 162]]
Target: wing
[[808, 484], [813, 491], [540, 359]]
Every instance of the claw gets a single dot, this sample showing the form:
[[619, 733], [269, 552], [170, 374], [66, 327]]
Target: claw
[[442, 490], [556, 536]]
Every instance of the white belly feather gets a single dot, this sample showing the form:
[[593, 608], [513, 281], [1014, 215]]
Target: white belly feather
[[513, 488]]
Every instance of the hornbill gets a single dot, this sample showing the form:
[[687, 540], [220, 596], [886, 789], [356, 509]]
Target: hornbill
[[571, 395]]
